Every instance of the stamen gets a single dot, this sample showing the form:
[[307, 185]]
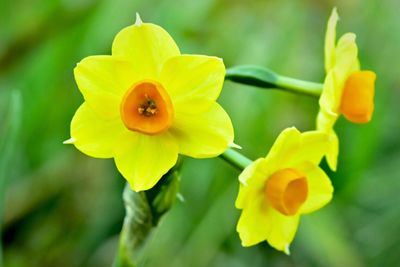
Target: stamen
[[147, 108]]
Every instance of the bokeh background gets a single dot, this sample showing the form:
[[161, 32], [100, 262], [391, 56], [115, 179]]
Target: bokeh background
[[62, 208]]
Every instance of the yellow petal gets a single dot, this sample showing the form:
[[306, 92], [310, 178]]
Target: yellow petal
[[259, 222], [329, 101], [293, 147], [282, 230], [313, 146], [103, 80], [325, 122], [320, 188], [147, 46], [330, 40], [287, 142], [194, 82], [207, 134], [252, 180], [289, 150], [333, 150], [346, 59], [242, 196], [254, 222], [143, 159], [94, 135]]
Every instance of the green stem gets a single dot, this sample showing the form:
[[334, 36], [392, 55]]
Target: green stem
[[236, 159], [268, 79], [299, 86], [138, 224]]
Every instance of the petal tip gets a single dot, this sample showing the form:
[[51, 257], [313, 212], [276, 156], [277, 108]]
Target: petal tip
[[335, 14], [286, 249], [134, 186], [233, 145], [289, 131], [292, 128], [244, 241], [244, 244], [332, 165], [243, 181], [180, 197], [70, 141], [138, 21]]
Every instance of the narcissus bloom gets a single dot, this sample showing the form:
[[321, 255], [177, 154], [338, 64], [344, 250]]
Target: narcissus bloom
[[147, 103], [275, 190], [347, 90]]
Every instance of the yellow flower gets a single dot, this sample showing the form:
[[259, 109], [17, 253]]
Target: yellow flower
[[276, 190], [347, 90], [147, 103]]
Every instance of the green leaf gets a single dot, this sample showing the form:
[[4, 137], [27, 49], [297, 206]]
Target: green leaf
[[164, 194], [252, 75], [8, 144], [143, 213]]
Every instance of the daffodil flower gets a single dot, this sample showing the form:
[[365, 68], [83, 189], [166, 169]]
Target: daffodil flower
[[347, 90], [275, 190], [146, 103]]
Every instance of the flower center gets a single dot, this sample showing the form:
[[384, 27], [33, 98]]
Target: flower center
[[286, 190], [147, 108], [357, 102]]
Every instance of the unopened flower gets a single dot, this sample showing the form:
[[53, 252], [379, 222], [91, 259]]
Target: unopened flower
[[276, 190], [147, 103], [347, 91]]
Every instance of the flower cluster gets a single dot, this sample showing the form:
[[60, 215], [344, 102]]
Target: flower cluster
[[275, 190], [146, 103]]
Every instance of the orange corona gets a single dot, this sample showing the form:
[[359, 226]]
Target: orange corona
[[147, 108], [287, 190], [357, 103]]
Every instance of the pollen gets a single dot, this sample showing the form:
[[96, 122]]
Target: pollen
[[147, 108], [357, 103], [286, 190]]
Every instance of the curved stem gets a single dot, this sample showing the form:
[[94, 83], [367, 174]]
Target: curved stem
[[236, 159], [299, 86], [268, 79]]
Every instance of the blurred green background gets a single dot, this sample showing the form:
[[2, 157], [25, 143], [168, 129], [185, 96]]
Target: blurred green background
[[63, 208]]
